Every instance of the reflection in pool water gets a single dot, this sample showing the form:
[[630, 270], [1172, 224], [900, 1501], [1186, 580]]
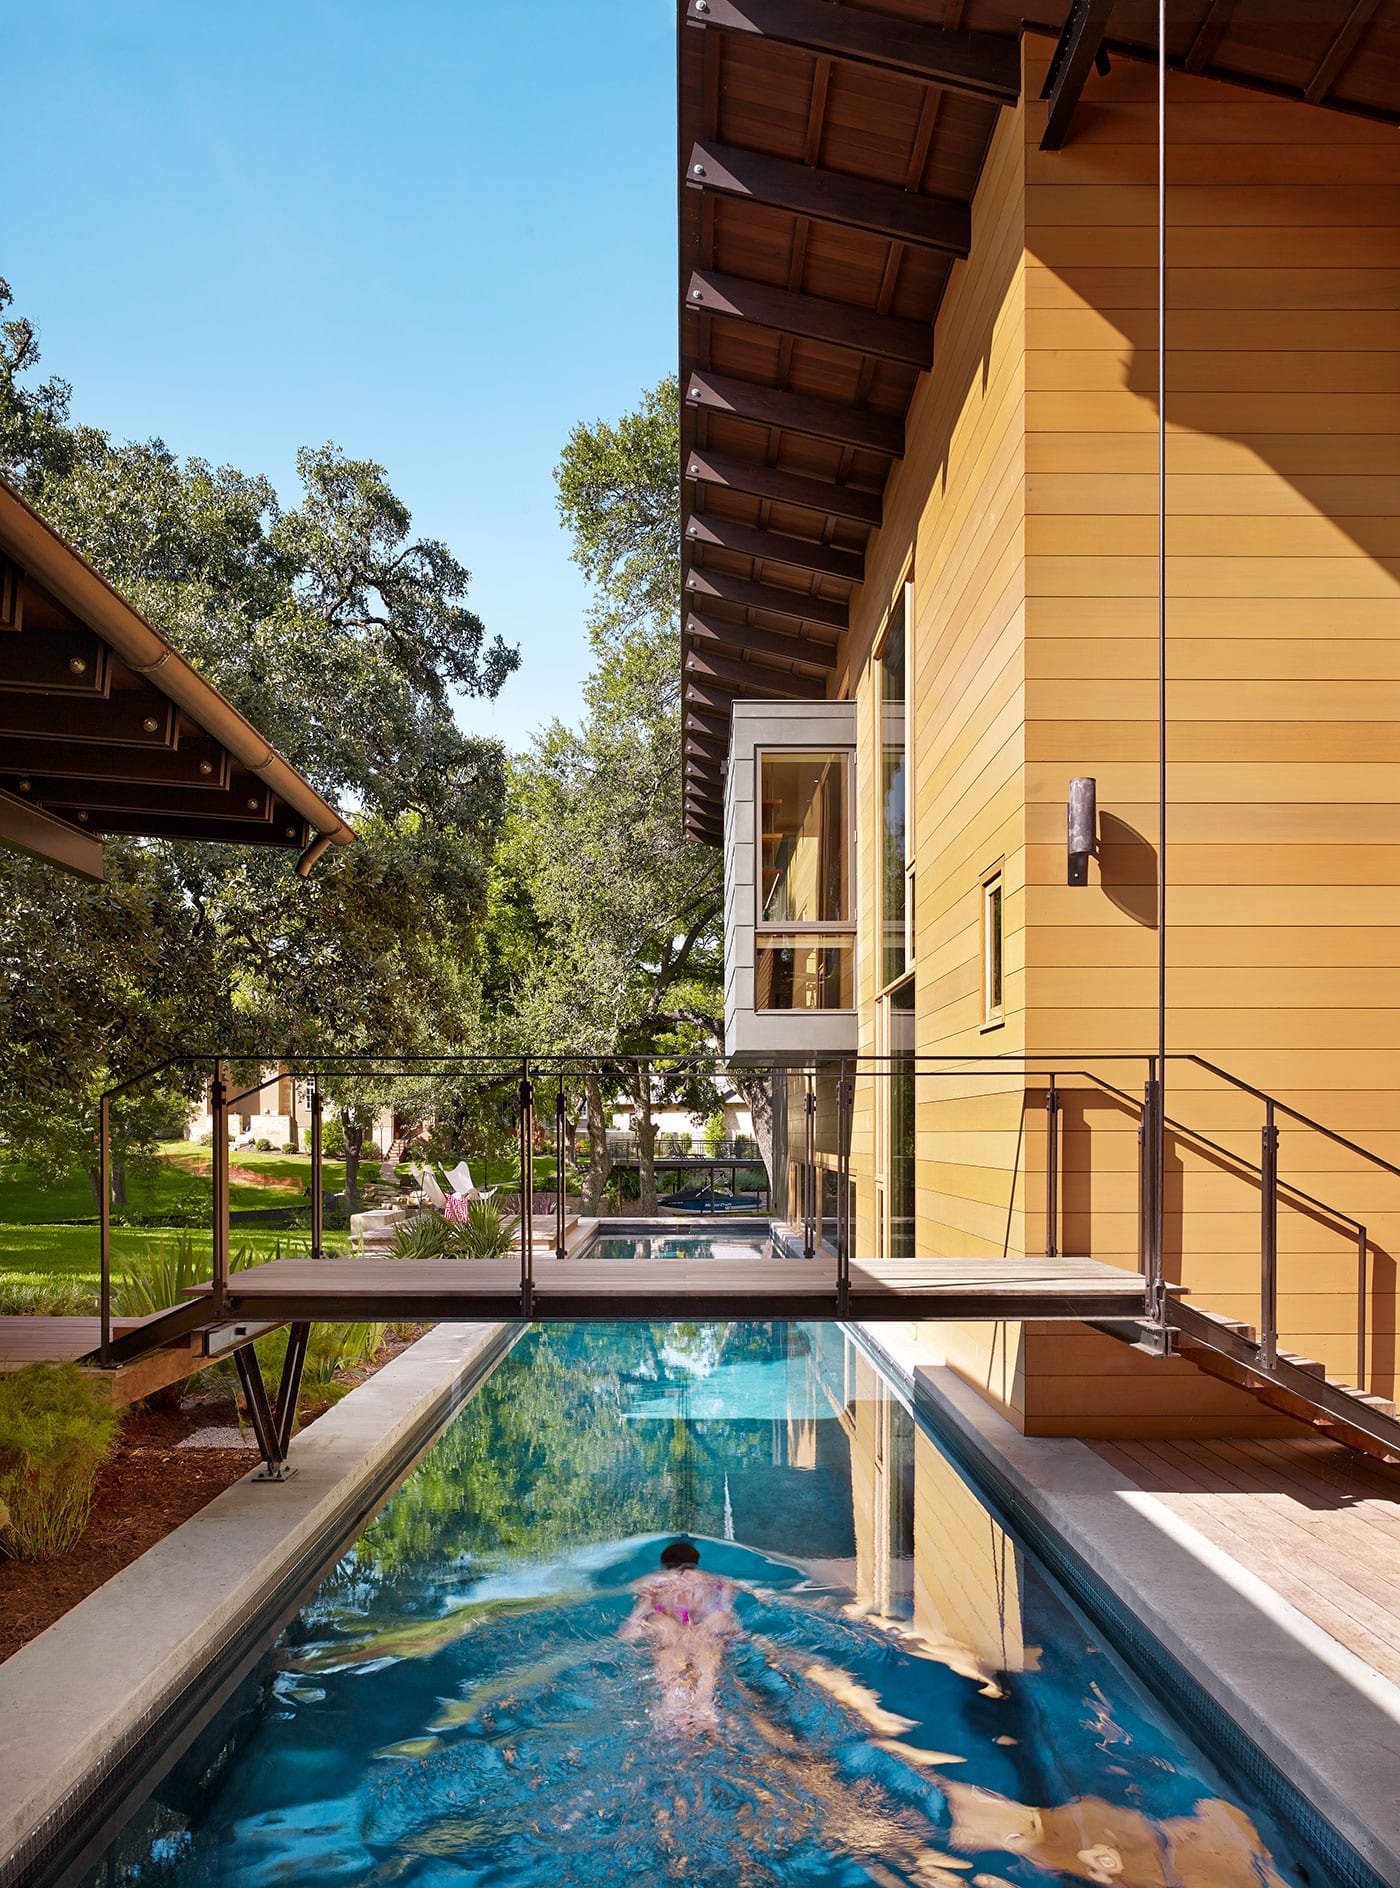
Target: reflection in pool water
[[906, 1699], [674, 1246]]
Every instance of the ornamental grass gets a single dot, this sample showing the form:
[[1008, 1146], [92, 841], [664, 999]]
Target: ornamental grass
[[57, 1428]]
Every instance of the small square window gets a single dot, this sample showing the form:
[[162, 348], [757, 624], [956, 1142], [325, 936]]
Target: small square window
[[992, 959]]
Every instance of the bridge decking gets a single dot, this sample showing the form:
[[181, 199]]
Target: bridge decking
[[718, 1287]]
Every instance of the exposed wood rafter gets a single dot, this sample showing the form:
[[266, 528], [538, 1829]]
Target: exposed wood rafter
[[982, 65], [725, 633], [771, 548], [750, 678], [1209, 34], [1079, 46], [939, 223], [838, 324], [797, 413], [825, 612], [828, 500], [1340, 51]]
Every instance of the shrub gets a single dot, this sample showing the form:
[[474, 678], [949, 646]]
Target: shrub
[[333, 1137], [160, 1276], [289, 1147], [425, 1236], [714, 1131], [47, 1298], [56, 1430], [263, 1145], [471, 1229], [485, 1232]]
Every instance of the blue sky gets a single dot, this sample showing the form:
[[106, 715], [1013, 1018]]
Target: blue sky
[[438, 232]]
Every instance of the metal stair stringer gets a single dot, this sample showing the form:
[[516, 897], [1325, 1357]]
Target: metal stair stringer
[[1294, 1386]]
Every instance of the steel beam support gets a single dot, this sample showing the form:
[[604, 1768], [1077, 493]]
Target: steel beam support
[[104, 1222], [796, 413], [804, 493], [741, 639], [942, 224], [979, 65], [797, 605], [706, 528], [1075, 54], [810, 317]]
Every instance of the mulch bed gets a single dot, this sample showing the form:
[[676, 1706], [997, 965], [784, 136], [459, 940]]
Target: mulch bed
[[148, 1487]]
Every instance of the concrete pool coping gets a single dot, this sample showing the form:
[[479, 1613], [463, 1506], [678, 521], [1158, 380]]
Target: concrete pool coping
[[1327, 1721], [87, 1688]]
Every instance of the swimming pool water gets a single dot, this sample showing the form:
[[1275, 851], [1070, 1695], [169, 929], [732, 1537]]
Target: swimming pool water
[[674, 1246], [910, 1700]]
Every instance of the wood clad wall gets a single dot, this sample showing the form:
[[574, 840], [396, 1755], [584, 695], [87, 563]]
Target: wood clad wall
[[1283, 405], [956, 505]]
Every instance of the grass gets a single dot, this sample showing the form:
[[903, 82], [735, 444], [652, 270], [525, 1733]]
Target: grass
[[258, 1180], [69, 1253]]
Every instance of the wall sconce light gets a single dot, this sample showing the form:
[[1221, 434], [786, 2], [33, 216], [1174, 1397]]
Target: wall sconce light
[[1083, 828]]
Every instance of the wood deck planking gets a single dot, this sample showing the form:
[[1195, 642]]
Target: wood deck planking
[[713, 1287], [1316, 1522]]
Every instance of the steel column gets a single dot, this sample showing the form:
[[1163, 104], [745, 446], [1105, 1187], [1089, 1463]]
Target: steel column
[[527, 1191], [219, 1116], [1361, 1306], [843, 1193], [1052, 1169], [104, 1222], [1151, 1253], [559, 1170], [1268, 1240], [809, 1169], [318, 1194]]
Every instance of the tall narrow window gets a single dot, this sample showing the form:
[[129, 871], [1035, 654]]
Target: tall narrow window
[[899, 1121], [804, 951], [992, 965], [894, 798]]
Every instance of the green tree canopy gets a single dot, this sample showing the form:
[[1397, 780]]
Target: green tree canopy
[[344, 637]]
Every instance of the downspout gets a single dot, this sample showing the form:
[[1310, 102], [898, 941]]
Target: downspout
[[308, 858]]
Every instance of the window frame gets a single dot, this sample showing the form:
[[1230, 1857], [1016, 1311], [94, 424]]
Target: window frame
[[842, 934], [901, 601], [992, 888]]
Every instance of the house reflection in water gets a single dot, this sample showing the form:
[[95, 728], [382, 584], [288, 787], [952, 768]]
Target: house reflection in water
[[927, 1552]]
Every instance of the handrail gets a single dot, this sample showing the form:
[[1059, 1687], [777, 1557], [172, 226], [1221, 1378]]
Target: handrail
[[1294, 1114], [1218, 1147]]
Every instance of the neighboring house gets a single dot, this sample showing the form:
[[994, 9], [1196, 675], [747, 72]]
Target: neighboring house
[[919, 448]]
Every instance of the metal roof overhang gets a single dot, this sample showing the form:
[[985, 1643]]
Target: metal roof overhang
[[105, 729], [828, 158]]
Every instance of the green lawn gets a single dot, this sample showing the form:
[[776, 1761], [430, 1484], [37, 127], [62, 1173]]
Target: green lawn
[[256, 1180]]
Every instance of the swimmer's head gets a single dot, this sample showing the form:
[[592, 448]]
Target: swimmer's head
[[680, 1554]]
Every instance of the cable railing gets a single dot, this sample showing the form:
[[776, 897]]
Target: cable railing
[[537, 1103]]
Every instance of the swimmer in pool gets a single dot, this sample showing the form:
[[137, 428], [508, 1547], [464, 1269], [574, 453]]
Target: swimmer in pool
[[684, 1617]]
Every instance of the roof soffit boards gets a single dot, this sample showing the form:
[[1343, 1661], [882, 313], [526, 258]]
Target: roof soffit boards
[[827, 159]]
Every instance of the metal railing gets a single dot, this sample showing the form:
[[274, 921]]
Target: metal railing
[[564, 1074]]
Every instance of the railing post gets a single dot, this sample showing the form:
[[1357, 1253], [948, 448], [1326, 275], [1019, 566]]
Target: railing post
[[1268, 1240], [527, 1192], [559, 1170], [1361, 1307], [318, 1180], [809, 1169], [843, 1194], [1150, 1240], [104, 1222], [1052, 1168], [219, 1116]]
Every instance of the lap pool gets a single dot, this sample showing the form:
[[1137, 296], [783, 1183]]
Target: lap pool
[[908, 1698]]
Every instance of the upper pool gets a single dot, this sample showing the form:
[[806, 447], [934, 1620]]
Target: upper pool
[[746, 1240], [908, 1697]]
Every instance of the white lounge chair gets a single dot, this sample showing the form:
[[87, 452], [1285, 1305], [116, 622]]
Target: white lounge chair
[[432, 1193], [459, 1178]]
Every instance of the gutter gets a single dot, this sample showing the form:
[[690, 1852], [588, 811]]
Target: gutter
[[40, 550]]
